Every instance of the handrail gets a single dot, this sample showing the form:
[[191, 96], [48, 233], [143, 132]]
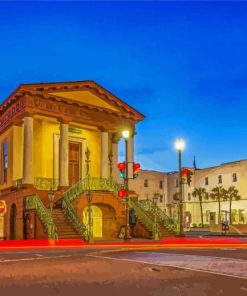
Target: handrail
[[167, 222], [142, 215], [74, 192], [94, 184], [77, 223], [45, 183], [33, 202]]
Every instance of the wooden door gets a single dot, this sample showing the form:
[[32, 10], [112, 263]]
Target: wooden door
[[74, 163]]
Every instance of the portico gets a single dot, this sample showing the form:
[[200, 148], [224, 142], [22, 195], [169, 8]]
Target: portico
[[49, 127]]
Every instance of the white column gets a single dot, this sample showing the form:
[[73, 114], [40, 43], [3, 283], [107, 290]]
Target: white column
[[130, 155], [115, 173], [64, 155], [104, 154], [83, 158], [28, 151], [56, 157]]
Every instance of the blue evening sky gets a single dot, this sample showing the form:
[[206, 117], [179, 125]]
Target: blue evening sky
[[182, 64]]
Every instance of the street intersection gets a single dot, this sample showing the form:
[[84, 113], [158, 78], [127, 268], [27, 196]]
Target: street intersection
[[131, 269]]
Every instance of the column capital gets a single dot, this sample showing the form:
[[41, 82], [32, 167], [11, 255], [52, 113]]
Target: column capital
[[115, 138], [27, 114], [17, 122], [102, 129], [132, 131], [63, 120]]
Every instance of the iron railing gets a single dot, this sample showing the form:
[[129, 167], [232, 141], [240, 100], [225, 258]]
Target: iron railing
[[141, 214], [81, 187], [167, 222], [33, 202]]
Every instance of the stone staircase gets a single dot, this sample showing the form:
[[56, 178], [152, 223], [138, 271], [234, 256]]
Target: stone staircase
[[144, 211], [162, 229], [165, 232], [65, 229]]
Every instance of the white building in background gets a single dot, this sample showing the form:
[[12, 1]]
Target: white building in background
[[225, 175], [150, 183]]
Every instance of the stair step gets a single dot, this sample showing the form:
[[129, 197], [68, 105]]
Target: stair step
[[70, 236], [64, 226], [67, 233]]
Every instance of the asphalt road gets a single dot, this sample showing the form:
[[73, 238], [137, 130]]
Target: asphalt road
[[139, 272]]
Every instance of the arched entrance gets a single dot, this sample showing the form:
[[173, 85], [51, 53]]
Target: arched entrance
[[97, 220], [13, 213]]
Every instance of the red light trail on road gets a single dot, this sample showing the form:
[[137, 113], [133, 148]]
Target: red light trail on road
[[163, 243]]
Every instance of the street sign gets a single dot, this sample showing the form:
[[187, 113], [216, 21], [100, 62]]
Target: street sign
[[3, 207]]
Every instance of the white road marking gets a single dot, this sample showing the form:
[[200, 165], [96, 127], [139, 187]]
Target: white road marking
[[170, 264], [189, 256], [33, 258]]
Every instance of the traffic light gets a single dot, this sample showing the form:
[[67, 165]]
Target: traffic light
[[189, 177], [136, 168], [122, 193], [122, 169], [184, 176]]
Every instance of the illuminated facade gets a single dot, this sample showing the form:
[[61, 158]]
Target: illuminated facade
[[225, 175], [45, 132]]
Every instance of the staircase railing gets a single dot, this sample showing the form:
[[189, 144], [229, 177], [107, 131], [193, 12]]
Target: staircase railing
[[33, 202], [142, 215], [74, 192], [93, 184], [167, 222], [72, 215]]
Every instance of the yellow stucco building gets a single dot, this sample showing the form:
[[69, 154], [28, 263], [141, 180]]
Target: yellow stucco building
[[54, 136]]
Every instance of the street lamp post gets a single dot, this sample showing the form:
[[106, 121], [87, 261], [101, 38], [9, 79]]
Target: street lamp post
[[87, 154], [90, 224], [155, 234], [51, 196], [110, 158], [127, 236], [89, 198], [180, 146]]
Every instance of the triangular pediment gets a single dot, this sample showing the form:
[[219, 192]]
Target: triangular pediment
[[85, 97], [84, 93]]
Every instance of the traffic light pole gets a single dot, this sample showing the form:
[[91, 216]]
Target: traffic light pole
[[126, 180], [181, 230]]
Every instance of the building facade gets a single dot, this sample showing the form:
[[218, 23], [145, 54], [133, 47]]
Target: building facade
[[54, 136], [150, 184], [225, 175]]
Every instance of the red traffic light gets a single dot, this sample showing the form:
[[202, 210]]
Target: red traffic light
[[121, 166], [136, 166], [184, 172], [122, 193]]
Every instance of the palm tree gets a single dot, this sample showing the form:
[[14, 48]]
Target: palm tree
[[232, 194], [218, 193], [201, 194]]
